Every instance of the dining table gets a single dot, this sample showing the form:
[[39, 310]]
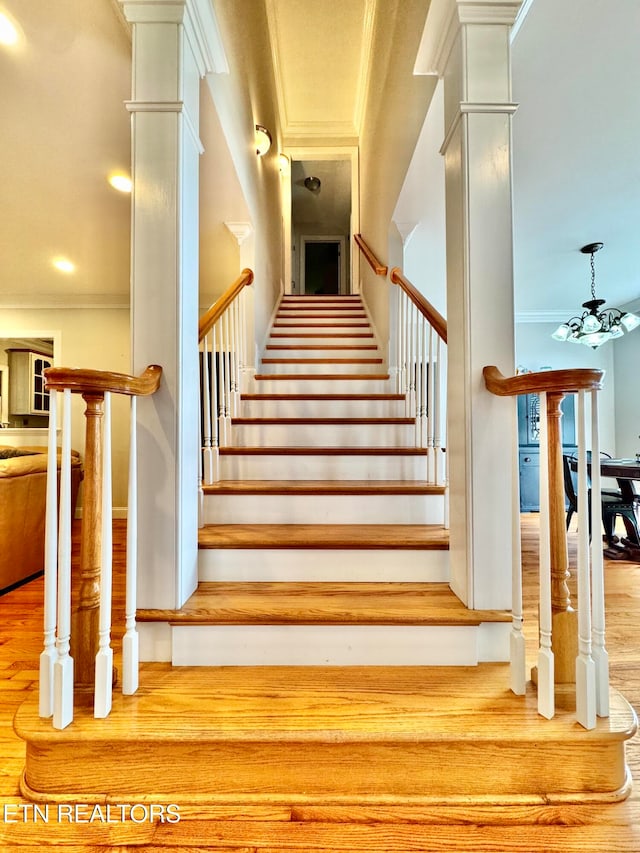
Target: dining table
[[625, 472]]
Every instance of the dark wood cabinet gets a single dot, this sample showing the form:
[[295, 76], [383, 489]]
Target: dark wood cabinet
[[529, 445]]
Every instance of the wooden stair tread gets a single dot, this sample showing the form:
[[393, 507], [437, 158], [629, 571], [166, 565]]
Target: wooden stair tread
[[324, 421], [357, 347], [325, 536], [322, 335], [278, 603], [323, 487], [322, 397], [337, 704], [301, 360], [324, 377], [323, 451]]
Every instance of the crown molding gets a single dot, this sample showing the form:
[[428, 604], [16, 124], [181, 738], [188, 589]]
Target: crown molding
[[366, 50], [272, 27], [523, 11], [199, 20], [18, 301], [444, 20]]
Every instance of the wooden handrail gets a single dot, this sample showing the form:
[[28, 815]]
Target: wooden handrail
[[213, 314], [82, 381], [575, 379], [377, 266], [423, 305]]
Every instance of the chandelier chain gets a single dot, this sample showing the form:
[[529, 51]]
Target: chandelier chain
[[593, 276]]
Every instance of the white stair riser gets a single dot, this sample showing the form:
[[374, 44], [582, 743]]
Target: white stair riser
[[322, 386], [317, 467], [317, 339], [323, 435], [328, 313], [323, 509], [292, 565], [328, 645], [320, 367], [322, 353], [293, 328], [323, 408]]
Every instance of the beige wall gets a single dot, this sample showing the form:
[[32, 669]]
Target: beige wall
[[96, 338]]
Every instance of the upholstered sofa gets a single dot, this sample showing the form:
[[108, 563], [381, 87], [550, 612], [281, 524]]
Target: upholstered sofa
[[23, 486]]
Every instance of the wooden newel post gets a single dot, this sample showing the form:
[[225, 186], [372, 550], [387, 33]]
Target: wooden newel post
[[85, 618], [564, 618]]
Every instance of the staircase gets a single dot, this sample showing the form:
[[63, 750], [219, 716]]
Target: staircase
[[323, 659], [323, 543]]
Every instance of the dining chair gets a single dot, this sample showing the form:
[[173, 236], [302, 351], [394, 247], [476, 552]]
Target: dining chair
[[614, 503]]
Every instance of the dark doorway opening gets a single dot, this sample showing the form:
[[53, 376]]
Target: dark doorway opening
[[322, 267]]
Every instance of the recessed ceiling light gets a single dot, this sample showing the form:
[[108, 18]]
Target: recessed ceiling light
[[64, 265], [121, 183], [8, 30]]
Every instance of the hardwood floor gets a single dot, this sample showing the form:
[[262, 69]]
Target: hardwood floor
[[342, 829]]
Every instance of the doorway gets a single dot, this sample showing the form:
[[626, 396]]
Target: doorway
[[322, 265]]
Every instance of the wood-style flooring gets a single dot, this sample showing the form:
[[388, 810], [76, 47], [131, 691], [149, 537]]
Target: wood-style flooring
[[342, 829]]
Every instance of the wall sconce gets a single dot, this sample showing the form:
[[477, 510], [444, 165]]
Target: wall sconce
[[283, 164], [263, 140]]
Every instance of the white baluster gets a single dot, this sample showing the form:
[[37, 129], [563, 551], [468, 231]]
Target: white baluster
[[228, 374], [585, 667], [215, 437], [130, 644], [49, 653], [398, 384], [104, 656], [404, 383], [546, 668], [236, 359], [412, 360], [63, 666], [222, 387], [207, 454], [599, 651], [518, 665], [440, 393], [431, 412]]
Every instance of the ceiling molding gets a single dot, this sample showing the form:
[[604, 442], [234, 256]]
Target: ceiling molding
[[444, 19], [18, 301], [366, 50], [207, 34], [272, 26], [523, 11], [315, 129], [543, 316]]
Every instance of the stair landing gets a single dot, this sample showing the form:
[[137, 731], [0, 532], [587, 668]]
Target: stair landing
[[370, 735]]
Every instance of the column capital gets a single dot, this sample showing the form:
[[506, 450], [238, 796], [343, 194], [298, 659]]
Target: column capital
[[444, 20], [198, 16]]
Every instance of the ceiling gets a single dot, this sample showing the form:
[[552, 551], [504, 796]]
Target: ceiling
[[576, 71]]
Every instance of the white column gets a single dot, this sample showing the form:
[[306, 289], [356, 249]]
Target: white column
[[174, 45], [467, 43]]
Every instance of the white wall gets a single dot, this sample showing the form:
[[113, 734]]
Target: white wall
[[422, 204], [96, 338], [626, 359], [535, 348]]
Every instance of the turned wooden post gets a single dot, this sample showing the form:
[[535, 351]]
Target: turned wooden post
[[564, 640], [85, 619]]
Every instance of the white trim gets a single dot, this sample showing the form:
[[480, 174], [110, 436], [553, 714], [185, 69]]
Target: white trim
[[523, 11], [341, 240], [444, 20], [471, 108], [334, 152], [101, 300], [365, 64], [240, 230]]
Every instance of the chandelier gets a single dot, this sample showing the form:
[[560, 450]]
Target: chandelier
[[595, 327]]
